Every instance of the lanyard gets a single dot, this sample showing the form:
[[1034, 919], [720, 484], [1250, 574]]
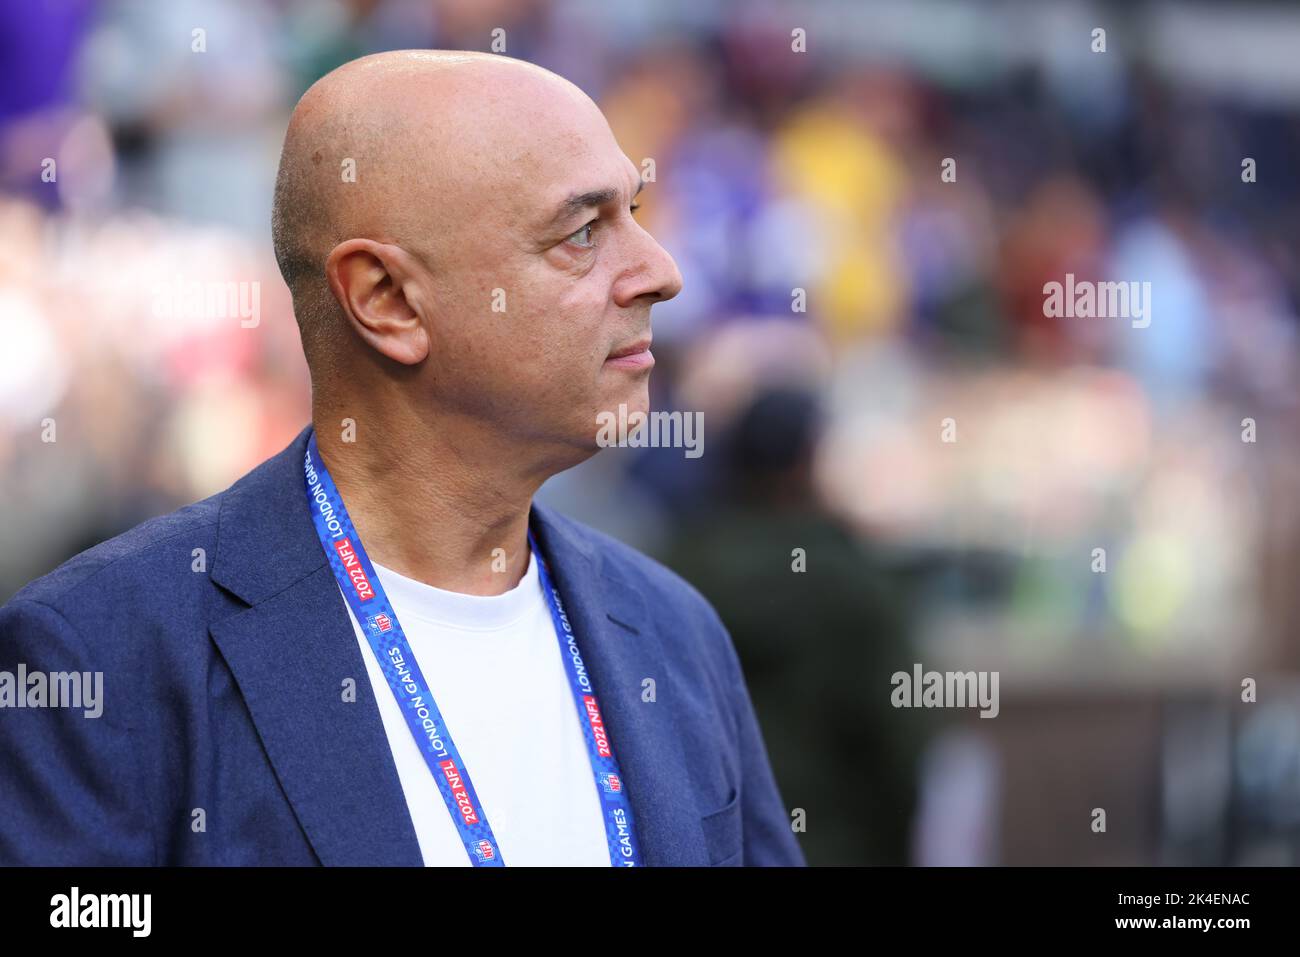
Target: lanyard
[[365, 596]]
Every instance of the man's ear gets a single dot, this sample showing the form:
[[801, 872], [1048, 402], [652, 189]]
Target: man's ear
[[372, 282]]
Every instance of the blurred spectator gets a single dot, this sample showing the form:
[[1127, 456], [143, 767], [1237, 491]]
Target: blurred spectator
[[820, 625]]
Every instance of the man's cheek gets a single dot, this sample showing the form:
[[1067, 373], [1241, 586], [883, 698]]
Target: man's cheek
[[580, 305], [559, 362]]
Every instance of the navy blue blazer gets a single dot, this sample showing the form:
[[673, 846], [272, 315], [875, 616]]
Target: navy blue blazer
[[225, 738]]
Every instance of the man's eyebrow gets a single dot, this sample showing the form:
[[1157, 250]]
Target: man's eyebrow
[[596, 197]]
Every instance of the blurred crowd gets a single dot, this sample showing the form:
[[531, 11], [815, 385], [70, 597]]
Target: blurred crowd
[[865, 228]]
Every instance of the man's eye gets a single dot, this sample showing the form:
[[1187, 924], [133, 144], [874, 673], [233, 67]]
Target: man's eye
[[585, 230]]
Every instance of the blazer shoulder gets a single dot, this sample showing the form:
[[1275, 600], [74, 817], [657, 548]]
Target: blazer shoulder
[[136, 554], [657, 581], [147, 575]]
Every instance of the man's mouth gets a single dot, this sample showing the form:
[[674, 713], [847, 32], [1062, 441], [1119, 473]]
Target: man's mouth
[[634, 356]]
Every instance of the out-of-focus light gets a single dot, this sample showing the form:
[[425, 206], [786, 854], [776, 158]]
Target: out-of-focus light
[[86, 164], [1152, 584], [33, 375]]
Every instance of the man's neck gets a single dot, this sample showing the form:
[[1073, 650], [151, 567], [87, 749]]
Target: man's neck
[[444, 509]]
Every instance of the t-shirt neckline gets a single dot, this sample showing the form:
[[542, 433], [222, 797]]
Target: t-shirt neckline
[[414, 599]]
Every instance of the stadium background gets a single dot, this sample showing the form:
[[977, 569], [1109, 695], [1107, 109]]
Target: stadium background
[[778, 171]]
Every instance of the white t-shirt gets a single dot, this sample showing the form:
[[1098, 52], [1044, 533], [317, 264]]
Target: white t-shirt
[[494, 666]]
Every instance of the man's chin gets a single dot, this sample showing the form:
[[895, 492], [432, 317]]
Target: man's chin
[[629, 399], [620, 414]]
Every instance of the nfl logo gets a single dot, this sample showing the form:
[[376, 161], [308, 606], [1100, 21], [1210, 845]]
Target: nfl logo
[[381, 622], [611, 783], [485, 851]]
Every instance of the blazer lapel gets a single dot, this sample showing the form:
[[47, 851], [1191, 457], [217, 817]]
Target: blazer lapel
[[290, 654], [293, 648], [621, 649]]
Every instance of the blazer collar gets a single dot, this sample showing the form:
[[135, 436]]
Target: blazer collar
[[292, 650]]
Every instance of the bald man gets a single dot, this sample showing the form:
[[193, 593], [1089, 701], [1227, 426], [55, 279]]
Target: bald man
[[375, 648]]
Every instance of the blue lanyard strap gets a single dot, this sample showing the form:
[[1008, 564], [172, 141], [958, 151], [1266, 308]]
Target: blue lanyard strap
[[365, 596]]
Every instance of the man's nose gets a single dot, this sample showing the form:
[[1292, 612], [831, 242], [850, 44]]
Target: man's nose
[[653, 273]]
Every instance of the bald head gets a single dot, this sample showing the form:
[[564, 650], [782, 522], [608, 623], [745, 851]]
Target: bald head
[[482, 269], [406, 147]]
